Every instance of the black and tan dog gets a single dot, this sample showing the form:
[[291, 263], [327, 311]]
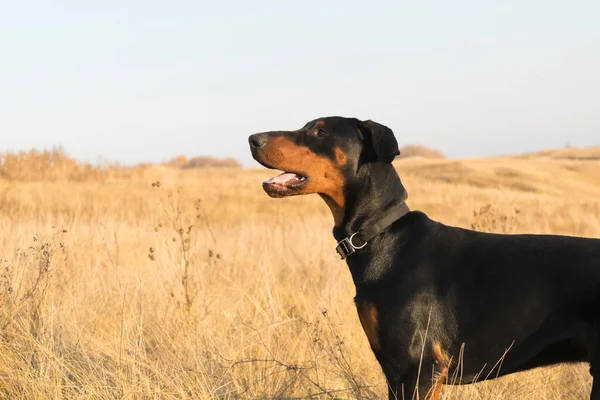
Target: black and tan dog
[[432, 297]]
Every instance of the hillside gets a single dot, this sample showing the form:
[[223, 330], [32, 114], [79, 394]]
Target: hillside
[[56, 164], [571, 153]]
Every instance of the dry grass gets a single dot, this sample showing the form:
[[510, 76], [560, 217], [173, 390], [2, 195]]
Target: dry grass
[[203, 287]]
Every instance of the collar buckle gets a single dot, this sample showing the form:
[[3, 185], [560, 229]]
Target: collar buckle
[[346, 247]]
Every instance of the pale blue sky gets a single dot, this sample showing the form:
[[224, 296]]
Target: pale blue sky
[[144, 81]]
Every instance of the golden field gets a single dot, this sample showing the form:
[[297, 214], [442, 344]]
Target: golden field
[[161, 283]]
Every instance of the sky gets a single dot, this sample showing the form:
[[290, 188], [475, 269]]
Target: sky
[[144, 81]]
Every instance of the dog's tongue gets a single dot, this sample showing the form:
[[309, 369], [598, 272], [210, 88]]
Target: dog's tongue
[[282, 179]]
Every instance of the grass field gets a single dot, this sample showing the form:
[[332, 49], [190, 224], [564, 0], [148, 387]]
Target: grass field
[[169, 284]]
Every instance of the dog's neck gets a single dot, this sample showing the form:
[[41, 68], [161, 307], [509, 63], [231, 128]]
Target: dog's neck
[[366, 200], [377, 191]]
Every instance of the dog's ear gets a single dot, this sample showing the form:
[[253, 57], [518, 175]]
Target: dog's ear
[[380, 140]]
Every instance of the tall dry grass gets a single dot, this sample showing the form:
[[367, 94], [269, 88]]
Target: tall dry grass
[[175, 284]]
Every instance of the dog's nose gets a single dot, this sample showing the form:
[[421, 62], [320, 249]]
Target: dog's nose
[[257, 140]]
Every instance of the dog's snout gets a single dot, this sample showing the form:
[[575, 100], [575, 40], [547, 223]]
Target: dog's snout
[[257, 140]]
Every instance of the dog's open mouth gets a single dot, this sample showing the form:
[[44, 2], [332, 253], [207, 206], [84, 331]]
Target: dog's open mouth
[[285, 184], [286, 179]]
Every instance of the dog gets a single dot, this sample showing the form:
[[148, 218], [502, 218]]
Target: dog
[[431, 296]]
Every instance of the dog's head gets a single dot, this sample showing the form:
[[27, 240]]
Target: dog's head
[[323, 156]]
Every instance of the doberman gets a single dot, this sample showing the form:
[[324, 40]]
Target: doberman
[[432, 297]]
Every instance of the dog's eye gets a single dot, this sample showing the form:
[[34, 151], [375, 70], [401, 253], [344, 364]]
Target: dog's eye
[[321, 132]]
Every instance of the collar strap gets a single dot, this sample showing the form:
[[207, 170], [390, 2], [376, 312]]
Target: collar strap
[[359, 239]]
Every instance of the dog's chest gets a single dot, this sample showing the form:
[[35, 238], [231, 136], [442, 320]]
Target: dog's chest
[[409, 325]]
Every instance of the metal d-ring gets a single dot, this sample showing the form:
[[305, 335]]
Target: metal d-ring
[[352, 244]]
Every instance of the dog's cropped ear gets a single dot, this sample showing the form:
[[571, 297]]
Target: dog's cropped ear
[[380, 140]]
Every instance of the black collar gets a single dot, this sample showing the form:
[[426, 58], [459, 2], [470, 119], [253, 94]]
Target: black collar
[[360, 238]]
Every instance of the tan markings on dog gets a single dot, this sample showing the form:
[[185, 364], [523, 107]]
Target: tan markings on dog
[[340, 156], [443, 361], [320, 123], [369, 319], [439, 355], [324, 175]]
